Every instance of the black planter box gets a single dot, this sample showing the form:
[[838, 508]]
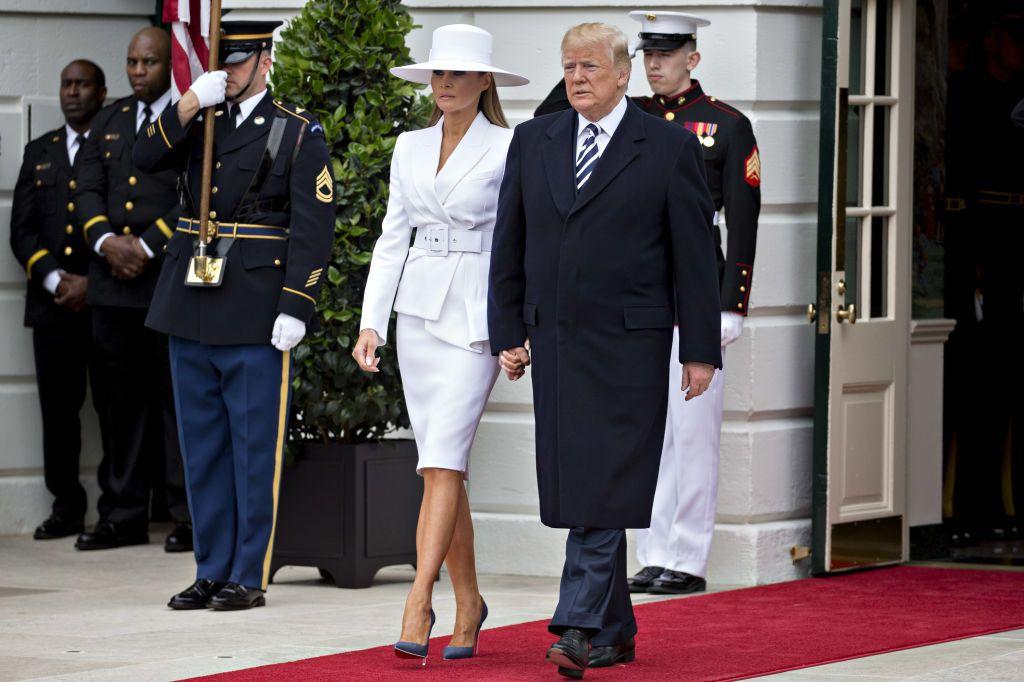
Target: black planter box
[[349, 510]]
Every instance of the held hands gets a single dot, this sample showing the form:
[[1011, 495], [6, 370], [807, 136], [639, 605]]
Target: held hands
[[125, 255], [365, 352], [732, 327], [210, 88], [288, 331], [697, 377], [515, 361], [71, 291]]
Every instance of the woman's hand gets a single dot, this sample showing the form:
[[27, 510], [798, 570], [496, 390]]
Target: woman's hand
[[515, 361], [365, 351]]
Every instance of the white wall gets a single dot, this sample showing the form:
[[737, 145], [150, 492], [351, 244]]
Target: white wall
[[38, 39]]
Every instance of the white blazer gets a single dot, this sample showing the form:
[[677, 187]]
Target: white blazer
[[448, 291]]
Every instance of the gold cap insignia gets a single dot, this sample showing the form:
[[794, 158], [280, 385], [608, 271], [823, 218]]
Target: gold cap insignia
[[651, 16], [324, 187], [259, 120]]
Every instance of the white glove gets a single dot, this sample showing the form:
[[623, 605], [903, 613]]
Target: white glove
[[288, 331], [732, 327], [210, 88]]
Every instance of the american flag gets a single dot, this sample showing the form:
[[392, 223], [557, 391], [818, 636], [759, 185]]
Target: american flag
[[190, 32]]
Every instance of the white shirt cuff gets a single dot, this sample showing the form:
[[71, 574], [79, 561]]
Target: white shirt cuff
[[52, 280], [145, 247], [99, 243]]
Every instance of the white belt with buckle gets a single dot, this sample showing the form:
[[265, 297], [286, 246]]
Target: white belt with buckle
[[440, 240]]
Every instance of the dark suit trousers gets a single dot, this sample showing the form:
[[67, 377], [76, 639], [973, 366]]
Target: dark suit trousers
[[63, 353], [594, 595], [136, 406]]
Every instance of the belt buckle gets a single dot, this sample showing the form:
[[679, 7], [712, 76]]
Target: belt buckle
[[438, 240]]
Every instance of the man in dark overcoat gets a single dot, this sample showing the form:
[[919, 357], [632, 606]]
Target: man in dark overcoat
[[603, 239]]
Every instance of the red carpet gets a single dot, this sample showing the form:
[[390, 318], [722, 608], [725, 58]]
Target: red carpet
[[728, 635]]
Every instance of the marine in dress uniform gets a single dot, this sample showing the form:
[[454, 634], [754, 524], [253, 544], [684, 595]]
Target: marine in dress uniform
[[674, 551], [272, 221], [49, 245], [127, 216]]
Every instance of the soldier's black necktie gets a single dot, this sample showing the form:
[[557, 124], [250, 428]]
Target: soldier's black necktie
[[148, 113], [77, 146], [236, 113]]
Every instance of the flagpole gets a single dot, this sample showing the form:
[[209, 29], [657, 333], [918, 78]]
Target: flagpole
[[208, 121]]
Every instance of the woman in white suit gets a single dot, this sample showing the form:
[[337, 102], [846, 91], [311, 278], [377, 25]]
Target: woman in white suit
[[430, 266]]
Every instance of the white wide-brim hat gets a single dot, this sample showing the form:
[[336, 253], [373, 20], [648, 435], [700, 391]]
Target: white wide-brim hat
[[458, 47]]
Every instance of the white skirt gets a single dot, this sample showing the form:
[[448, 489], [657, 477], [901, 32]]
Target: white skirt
[[446, 389]]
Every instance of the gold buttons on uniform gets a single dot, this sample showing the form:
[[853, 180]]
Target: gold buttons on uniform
[[217, 165], [71, 207], [128, 205], [106, 155], [277, 262], [133, 180], [127, 230], [72, 184], [744, 273], [70, 229], [739, 305], [39, 183], [742, 289], [214, 189], [669, 116], [213, 215], [67, 250]]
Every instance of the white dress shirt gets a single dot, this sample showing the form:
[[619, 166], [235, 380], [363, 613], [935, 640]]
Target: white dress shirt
[[157, 107], [606, 127], [246, 106]]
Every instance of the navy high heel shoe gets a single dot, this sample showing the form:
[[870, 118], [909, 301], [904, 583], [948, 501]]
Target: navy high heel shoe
[[414, 649], [452, 652]]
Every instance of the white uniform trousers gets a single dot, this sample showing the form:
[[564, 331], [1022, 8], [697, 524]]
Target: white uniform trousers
[[683, 518]]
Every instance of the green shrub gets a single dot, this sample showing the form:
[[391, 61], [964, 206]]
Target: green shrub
[[333, 61]]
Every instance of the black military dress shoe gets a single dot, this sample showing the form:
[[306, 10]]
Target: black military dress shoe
[[605, 656], [677, 582], [235, 597], [195, 596], [571, 653], [108, 535], [642, 580], [57, 527], [180, 539]]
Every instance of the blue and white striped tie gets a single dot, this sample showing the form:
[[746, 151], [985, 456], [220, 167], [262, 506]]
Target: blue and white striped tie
[[588, 156]]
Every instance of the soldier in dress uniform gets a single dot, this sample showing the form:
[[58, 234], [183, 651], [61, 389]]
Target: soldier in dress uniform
[[127, 216], [272, 225], [674, 551], [49, 245]]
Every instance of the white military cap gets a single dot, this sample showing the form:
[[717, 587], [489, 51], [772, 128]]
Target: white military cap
[[666, 30]]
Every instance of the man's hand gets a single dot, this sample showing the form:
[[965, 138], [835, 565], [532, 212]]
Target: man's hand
[[71, 291], [206, 91], [732, 327], [515, 361], [697, 377], [287, 333], [139, 249], [366, 349], [125, 257]]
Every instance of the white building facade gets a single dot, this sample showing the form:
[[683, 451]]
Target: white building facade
[[762, 56]]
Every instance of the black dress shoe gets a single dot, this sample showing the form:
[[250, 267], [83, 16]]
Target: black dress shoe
[[677, 582], [195, 596], [571, 653], [180, 539], [642, 580], [235, 597], [57, 527], [108, 535], [605, 656]]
